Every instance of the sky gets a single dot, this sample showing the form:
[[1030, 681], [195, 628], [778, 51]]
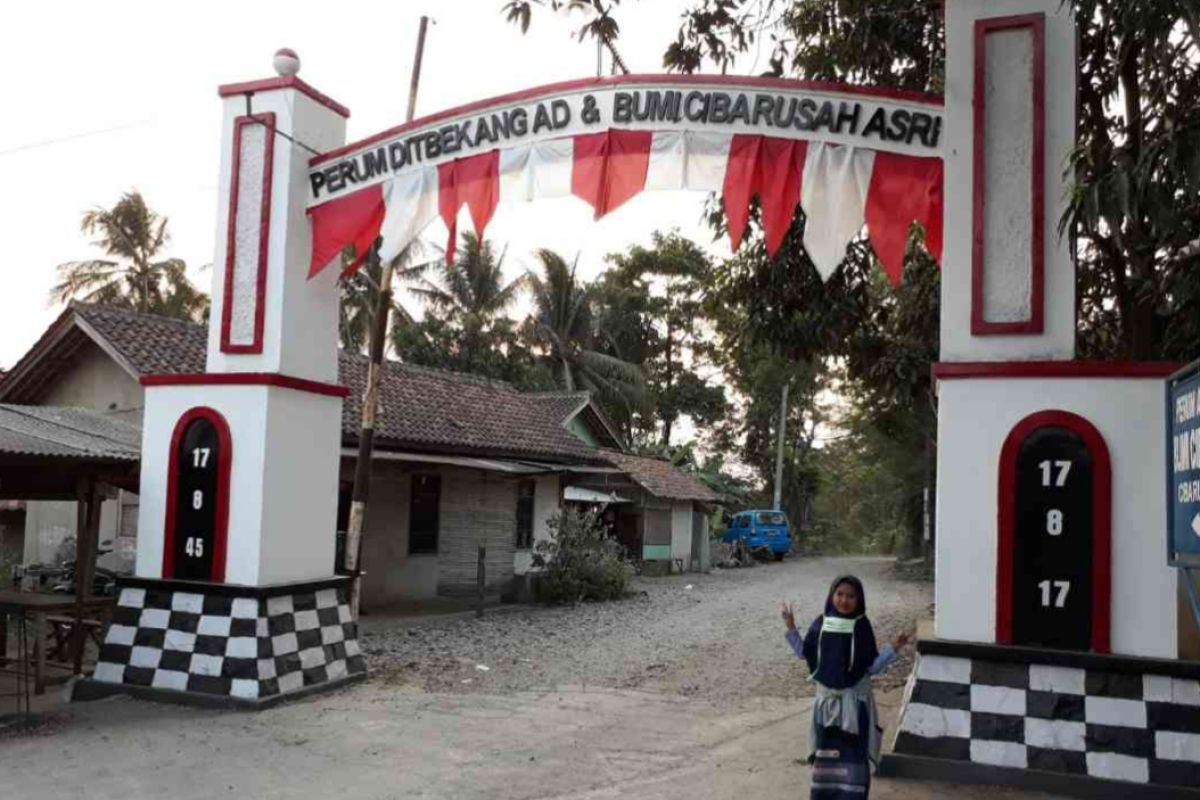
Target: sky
[[102, 98]]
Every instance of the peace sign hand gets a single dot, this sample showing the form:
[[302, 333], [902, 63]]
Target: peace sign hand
[[788, 615]]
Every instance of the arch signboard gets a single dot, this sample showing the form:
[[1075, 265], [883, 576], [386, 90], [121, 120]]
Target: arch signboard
[[848, 155]]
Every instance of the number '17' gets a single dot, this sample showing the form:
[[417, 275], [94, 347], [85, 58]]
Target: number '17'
[[1047, 467]]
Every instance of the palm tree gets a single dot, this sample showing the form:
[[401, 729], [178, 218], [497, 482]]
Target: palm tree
[[132, 236], [471, 291], [360, 295], [563, 326]]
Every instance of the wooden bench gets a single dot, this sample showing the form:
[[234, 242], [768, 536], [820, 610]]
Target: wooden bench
[[61, 632]]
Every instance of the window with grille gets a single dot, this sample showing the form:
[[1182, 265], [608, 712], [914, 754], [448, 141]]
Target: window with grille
[[423, 514], [525, 515]]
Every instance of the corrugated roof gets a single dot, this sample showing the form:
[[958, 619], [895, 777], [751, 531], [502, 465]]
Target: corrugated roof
[[661, 478], [58, 431]]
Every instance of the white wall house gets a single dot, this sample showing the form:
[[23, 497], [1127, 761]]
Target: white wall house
[[460, 461]]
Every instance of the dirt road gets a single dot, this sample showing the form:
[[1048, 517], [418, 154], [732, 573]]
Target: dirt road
[[737, 734], [716, 636]]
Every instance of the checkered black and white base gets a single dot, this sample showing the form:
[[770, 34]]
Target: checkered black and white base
[[1121, 725], [218, 644]]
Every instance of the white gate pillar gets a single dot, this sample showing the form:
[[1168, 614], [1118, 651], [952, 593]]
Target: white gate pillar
[[235, 597]]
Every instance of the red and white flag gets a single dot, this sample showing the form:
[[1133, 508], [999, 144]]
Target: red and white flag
[[839, 187]]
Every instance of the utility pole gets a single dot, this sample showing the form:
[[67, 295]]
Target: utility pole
[[783, 401], [370, 406]]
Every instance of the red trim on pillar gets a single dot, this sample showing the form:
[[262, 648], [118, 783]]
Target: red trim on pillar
[[221, 518], [264, 231], [1101, 522], [951, 370], [1037, 282], [247, 379], [291, 82]]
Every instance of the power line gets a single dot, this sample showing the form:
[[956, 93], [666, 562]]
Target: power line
[[72, 137]]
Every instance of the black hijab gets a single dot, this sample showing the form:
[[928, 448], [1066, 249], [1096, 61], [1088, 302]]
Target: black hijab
[[841, 659]]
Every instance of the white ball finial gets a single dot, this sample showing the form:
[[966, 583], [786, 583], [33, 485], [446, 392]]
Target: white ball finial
[[287, 63]]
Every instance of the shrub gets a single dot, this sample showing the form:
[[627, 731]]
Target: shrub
[[579, 561]]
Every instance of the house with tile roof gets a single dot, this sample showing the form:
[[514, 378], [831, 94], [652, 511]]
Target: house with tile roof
[[460, 461]]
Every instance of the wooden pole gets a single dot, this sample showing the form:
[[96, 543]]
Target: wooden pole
[[783, 401], [87, 532], [480, 580], [370, 406]]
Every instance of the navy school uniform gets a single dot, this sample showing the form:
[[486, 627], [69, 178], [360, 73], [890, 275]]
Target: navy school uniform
[[841, 653]]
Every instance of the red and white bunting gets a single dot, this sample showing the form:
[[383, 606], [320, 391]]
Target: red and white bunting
[[840, 187]]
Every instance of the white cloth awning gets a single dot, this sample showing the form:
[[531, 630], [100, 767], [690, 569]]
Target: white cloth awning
[[578, 494]]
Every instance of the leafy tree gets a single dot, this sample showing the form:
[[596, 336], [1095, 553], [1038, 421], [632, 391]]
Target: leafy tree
[[650, 304], [133, 275], [1136, 203], [896, 43], [601, 25], [563, 329], [1135, 208]]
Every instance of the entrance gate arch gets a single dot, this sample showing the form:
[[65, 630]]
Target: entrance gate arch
[[262, 567], [848, 155]]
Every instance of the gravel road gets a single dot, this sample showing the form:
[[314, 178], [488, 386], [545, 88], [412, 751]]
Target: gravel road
[[716, 637], [614, 726]]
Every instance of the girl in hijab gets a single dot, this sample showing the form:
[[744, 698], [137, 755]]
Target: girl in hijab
[[841, 652]]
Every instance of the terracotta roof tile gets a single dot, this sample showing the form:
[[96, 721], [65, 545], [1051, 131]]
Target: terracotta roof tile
[[152, 345], [660, 477], [421, 407]]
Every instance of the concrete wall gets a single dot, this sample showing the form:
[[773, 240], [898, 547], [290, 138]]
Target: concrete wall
[[475, 508], [391, 574], [546, 505], [974, 417], [283, 486], [478, 508], [1007, 144], [93, 380], [48, 525], [577, 427], [301, 315], [12, 543], [681, 531]]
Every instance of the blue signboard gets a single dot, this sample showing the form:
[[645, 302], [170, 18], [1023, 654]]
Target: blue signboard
[[1183, 465]]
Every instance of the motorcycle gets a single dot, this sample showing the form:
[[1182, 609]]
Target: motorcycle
[[104, 581]]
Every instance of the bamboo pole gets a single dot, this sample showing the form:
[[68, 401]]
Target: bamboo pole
[[370, 406]]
